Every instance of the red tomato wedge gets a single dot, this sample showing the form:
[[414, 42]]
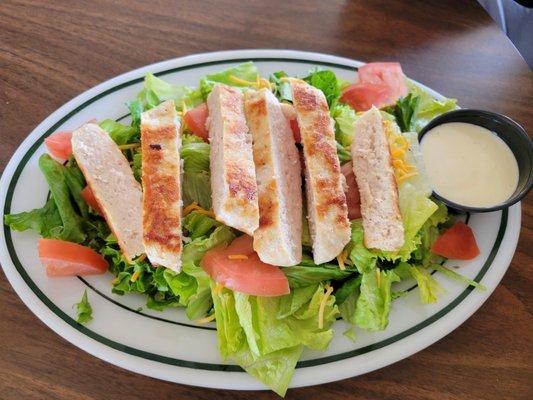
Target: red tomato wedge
[[389, 74], [242, 245], [62, 258], [59, 145], [380, 84], [246, 275], [352, 192], [295, 130], [91, 201], [362, 96], [290, 115], [195, 120], [457, 242]]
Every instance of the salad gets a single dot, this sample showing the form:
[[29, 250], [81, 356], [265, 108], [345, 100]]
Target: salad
[[163, 225]]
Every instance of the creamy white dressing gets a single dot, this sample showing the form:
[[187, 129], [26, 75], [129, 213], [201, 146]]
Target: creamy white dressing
[[469, 164]]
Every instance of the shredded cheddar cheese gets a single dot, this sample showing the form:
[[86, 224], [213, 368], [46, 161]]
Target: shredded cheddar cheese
[[323, 302], [135, 276], [195, 207], [258, 84], [238, 257], [141, 258], [398, 147], [205, 320], [341, 259]]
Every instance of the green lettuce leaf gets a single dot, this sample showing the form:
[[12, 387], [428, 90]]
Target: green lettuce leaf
[[308, 273], [246, 72], [374, 302], [348, 287], [252, 333], [121, 134], [55, 175], [428, 107], [84, 310], [364, 259], [326, 81], [76, 183], [46, 221], [406, 111], [428, 287], [416, 208], [196, 174], [156, 90], [281, 89], [458, 277], [136, 108], [163, 287], [345, 118]]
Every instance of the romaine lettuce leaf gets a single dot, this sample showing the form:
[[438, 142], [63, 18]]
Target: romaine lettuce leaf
[[428, 107], [374, 302], [308, 273], [364, 259], [121, 134], [54, 174], [163, 287], [281, 89], [406, 111], [345, 118], [245, 72], [428, 287], [46, 221], [196, 174], [267, 345], [156, 90], [326, 81], [416, 208]]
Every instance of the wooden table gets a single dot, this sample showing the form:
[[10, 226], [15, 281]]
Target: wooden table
[[50, 51]]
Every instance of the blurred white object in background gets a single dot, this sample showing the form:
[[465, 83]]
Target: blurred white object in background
[[515, 18]]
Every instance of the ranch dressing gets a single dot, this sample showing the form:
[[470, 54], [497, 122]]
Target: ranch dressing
[[469, 164]]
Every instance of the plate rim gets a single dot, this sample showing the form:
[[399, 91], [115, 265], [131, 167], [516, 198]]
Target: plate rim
[[193, 61]]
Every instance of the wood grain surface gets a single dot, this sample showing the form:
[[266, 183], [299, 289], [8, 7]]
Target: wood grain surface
[[50, 51]]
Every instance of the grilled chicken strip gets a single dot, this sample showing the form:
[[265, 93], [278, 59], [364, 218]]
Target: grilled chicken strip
[[278, 240], [233, 180], [162, 204], [382, 221], [111, 179], [324, 182]]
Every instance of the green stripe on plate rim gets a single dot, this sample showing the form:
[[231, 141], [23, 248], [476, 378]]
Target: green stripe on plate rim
[[193, 364]]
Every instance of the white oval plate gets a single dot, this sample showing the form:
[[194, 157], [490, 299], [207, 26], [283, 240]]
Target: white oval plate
[[166, 345]]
